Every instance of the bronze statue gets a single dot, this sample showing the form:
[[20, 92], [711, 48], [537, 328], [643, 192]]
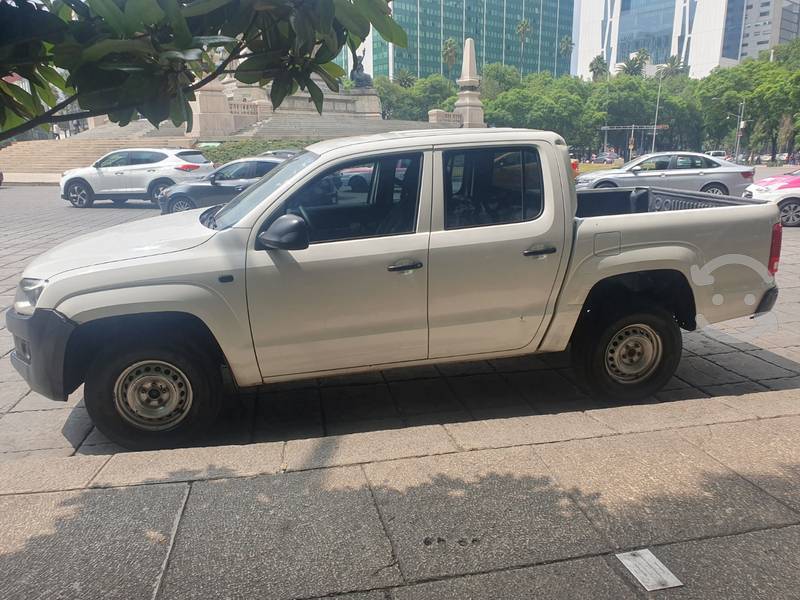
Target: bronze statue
[[357, 75]]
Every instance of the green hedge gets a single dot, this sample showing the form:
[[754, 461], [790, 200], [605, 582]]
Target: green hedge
[[228, 151]]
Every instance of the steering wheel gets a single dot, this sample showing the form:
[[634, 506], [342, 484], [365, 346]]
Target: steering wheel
[[304, 214]]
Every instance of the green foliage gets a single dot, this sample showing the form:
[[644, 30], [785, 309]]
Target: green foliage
[[413, 103], [598, 68], [449, 54], [496, 79], [126, 58], [228, 151], [405, 78]]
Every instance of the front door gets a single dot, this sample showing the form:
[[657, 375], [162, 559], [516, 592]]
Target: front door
[[357, 295], [652, 172], [496, 246], [110, 174]]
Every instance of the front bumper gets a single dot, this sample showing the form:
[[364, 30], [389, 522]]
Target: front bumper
[[40, 343]]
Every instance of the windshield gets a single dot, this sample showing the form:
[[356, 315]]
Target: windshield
[[232, 213]]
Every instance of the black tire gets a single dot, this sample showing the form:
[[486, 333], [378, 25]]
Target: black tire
[[180, 204], [715, 188], [119, 201], [358, 184], [604, 185], [79, 193], [155, 189], [790, 212], [200, 373], [595, 358]]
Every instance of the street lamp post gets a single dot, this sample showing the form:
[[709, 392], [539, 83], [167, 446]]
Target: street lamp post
[[739, 131], [658, 105]]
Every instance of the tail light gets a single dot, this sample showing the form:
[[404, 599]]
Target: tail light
[[187, 167], [748, 174], [775, 248]]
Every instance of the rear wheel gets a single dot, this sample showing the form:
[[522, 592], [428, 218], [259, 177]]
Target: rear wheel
[[790, 213], [157, 188], [628, 357], [152, 396], [715, 188], [79, 194], [180, 204]]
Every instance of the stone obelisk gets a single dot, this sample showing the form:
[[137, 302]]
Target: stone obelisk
[[469, 104]]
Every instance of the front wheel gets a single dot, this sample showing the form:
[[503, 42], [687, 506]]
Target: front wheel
[[627, 358], [152, 396], [180, 204], [79, 194], [157, 189], [790, 213]]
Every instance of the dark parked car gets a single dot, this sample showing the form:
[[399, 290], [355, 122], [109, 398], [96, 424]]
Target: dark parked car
[[217, 187]]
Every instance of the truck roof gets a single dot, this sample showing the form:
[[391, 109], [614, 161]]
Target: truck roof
[[421, 137]]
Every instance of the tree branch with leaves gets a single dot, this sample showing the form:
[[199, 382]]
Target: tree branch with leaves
[[125, 58]]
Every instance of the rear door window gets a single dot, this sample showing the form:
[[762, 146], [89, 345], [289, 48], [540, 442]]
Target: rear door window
[[685, 161], [143, 157], [492, 186]]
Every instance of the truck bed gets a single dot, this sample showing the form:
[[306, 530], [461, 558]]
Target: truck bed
[[623, 201]]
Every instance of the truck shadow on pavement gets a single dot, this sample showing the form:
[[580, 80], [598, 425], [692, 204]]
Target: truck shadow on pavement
[[523, 522]]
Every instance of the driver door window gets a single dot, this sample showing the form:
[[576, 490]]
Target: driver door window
[[236, 171], [376, 197], [657, 163], [112, 174]]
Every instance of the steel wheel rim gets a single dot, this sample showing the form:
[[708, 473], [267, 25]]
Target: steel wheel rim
[[78, 194], [633, 354], [181, 205], [153, 395], [790, 213]]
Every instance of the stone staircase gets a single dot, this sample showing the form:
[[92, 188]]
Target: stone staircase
[[56, 156], [286, 125]]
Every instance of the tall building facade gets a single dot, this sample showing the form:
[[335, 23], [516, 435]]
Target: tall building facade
[[704, 33], [695, 30], [766, 24], [493, 24]]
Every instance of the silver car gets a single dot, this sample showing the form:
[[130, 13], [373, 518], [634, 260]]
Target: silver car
[[675, 170]]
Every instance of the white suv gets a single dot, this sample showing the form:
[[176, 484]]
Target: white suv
[[142, 173]]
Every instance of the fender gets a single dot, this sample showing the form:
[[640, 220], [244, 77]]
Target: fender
[[231, 330], [577, 287]]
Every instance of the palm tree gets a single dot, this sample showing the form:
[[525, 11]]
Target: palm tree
[[449, 51], [523, 29], [405, 78], [632, 67], [565, 46], [643, 55], [598, 68], [672, 67]]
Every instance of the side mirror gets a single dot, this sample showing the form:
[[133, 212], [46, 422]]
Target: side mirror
[[636, 170], [288, 232], [212, 178]]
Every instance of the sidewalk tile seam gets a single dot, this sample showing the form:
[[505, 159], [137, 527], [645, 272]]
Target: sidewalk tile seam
[[103, 466], [382, 519], [173, 535]]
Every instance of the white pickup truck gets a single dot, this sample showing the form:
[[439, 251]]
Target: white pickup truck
[[458, 245]]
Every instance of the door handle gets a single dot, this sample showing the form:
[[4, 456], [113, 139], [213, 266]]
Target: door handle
[[239, 188], [119, 173], [539, 252], [406, 267]]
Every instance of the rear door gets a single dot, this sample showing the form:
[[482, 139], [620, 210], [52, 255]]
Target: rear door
[[142, 169], [496, 243], [686, 172]]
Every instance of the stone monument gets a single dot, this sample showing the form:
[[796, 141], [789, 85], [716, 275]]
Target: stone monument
[[469, 104]]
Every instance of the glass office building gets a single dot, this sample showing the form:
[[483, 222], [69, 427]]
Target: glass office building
[[646, 24], [493, 26]]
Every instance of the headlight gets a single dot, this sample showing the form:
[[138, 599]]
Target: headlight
[[27, 295]]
